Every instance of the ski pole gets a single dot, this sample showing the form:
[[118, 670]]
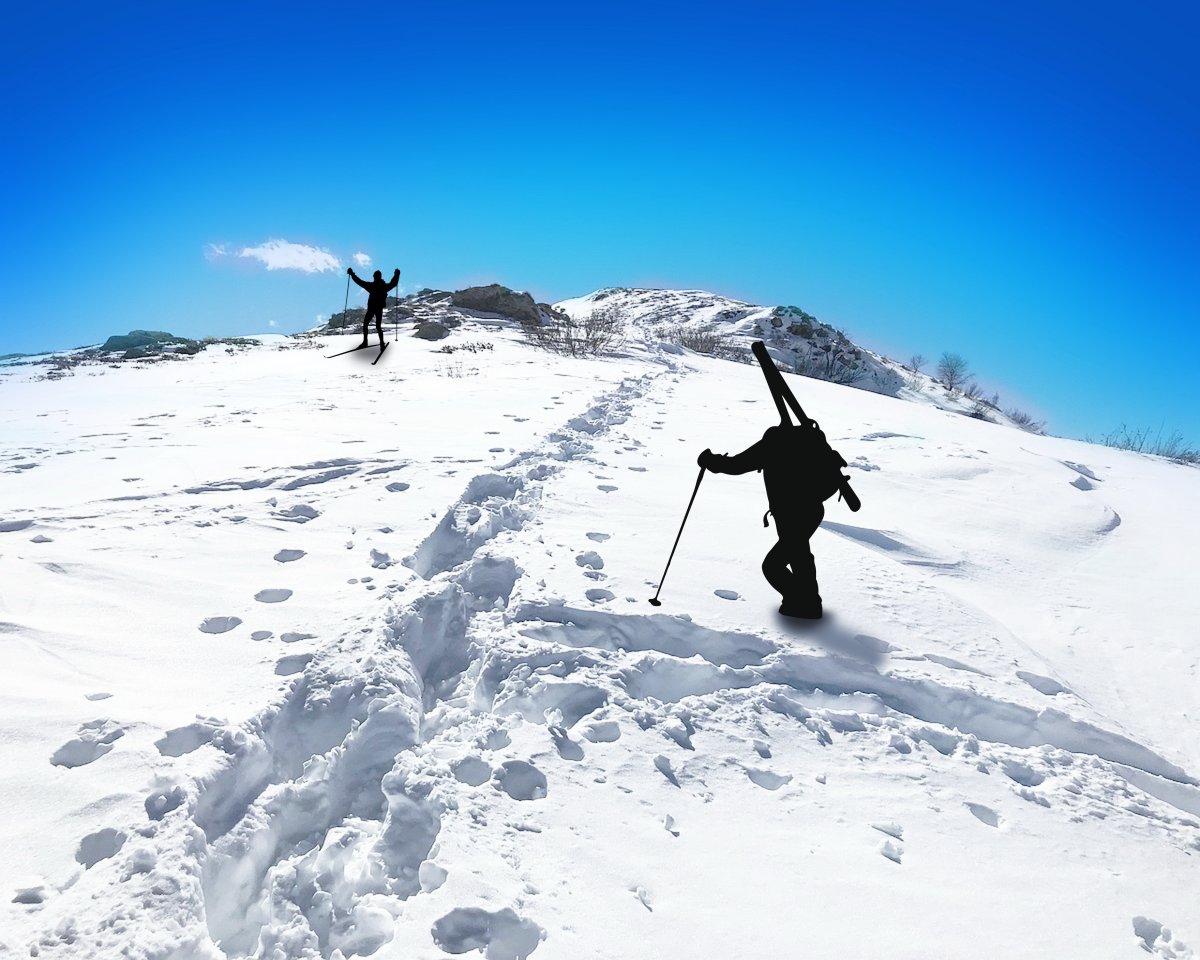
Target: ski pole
[[654, 601], [346, 305], [396, 316]]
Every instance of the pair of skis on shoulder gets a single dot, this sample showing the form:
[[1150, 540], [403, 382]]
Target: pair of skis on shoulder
[[361, 346]]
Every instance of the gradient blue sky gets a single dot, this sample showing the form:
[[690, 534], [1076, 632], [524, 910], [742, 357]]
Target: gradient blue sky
[[1015, 182]]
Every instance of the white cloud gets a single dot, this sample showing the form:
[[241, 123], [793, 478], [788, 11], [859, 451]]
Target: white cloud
[[285, 255], [362, 259], [214, 251]]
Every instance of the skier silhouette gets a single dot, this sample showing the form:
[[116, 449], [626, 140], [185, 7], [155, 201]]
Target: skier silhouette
[[797, 508], [801, 471], [377, 290]]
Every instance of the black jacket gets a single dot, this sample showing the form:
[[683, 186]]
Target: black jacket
[[377, 290], [780, 457]]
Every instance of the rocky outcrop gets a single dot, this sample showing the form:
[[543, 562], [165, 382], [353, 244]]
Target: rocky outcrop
[[501, 300], [136, 339]]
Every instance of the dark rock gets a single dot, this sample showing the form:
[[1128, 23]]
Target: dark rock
[[140, 338], [142, 351], [431, 330], [501, 300]]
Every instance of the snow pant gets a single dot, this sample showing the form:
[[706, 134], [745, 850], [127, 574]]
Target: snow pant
[[377, 313], [795, 528]]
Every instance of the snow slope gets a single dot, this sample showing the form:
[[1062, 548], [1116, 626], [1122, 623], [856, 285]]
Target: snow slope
[[309, 658]]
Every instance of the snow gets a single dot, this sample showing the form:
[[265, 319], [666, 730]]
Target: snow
[[308, 658]]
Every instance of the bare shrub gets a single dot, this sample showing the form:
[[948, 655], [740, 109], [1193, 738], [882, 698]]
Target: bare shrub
[[952, 370], [980, 412], [1172, 446], [916, 362], [831, 363], [602, 331], [456, 370], [472, 346], [1025, 421], [707, 339]]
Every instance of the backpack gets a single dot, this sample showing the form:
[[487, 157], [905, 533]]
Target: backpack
[[822, 476]]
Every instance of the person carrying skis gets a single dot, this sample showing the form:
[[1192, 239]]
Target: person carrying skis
[[377, 291], [795, 496]]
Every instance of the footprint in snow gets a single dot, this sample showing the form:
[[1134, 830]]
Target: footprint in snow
[[606, 487], [261, 635], [94, 739], [219, 624], [503, 935], [99, 846], [471, 771], [287, 556], [598, 537], [728, 594], [1157, 940], [599, 595], [520, 780], [273, 595], [590, 558], [293, 663], [397, 487], [768, 779]]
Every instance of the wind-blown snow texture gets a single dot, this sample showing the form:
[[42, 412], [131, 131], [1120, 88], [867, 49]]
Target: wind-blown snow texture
[[304, 658]]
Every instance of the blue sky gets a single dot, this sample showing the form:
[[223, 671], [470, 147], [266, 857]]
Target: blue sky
[[1014, 182]]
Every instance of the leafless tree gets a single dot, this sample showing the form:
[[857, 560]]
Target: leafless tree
[[952, 371], [916, 362]]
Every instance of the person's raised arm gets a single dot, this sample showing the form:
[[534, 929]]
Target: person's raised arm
[[749, 459], [354, 277], [395, 280]]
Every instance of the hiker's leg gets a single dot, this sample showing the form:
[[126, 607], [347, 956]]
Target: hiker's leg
[[799, 553], [775, 569]]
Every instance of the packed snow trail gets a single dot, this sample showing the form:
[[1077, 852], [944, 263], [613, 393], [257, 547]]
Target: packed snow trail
[[511, 753]]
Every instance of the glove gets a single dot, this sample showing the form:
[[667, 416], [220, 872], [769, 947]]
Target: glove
[[707, 459], [349, 271]]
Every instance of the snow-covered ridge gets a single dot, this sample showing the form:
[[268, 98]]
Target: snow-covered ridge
[[797, 341]]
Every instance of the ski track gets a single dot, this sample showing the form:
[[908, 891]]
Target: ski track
[[315, 820]]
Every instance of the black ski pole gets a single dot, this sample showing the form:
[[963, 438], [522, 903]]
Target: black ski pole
[[654, 601], [346, 305]]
